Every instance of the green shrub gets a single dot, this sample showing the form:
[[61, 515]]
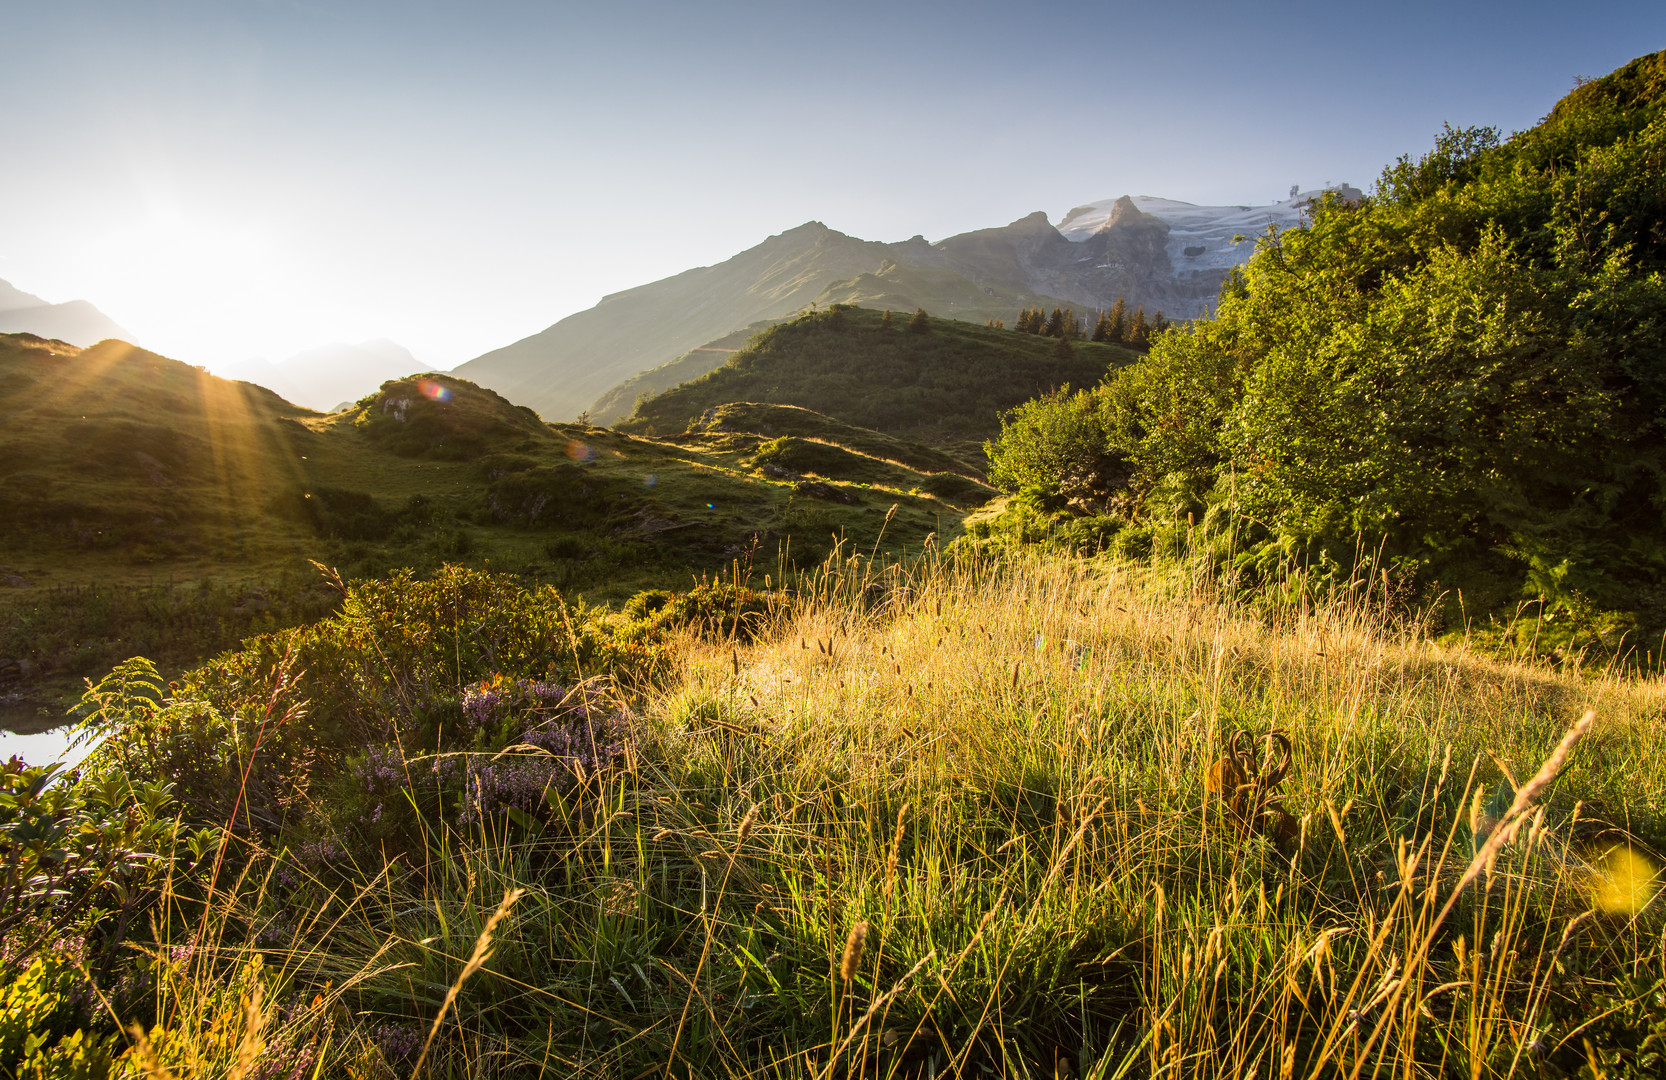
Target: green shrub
[[646, 603]]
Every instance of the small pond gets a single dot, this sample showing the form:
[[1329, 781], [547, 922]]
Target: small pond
[[36, 735]]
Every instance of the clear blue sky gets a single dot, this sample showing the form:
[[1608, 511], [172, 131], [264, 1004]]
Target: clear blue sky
[[232, 178]]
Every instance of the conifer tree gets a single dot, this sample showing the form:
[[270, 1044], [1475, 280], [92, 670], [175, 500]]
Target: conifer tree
[[1071, 328], [1055, 325], [1102, 328], [1159, 323], [920, 323], [1139, 331], [1062, 349], [885, 320], [996, 324], [1118, 328]]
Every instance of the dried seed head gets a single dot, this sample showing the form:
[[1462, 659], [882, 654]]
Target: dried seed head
[[746, 824], [896, 841], [853, 951]]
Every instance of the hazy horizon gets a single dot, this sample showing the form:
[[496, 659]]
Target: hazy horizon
[[257, 179]]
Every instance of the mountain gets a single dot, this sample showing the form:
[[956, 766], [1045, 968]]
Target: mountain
[[1153, 252], [1200, 240], [561, 370], [325, 377], [75, 321]]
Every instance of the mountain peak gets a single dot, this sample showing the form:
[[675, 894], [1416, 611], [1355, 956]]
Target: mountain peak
[[1033, 222], [1123, 210]]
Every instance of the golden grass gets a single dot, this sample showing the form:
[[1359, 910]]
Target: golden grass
[[949, 819], [967, 688]]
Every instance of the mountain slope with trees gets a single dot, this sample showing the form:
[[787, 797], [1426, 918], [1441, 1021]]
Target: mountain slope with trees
[[933, 380]]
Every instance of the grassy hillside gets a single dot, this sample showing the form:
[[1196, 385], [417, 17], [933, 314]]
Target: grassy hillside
[[618, 402], [900, 287], [944, 820], [948, 384], [118, 452], [156, 509], [904, 287]]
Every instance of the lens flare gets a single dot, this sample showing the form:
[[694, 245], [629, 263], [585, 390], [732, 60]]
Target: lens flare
[[433, 390], [1625, 881], [581, 451], [650, 480]]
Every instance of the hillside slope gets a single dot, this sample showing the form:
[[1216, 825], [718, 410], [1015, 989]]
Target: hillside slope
[[948, 385], [618, 402], [124, 471], [561, 370]]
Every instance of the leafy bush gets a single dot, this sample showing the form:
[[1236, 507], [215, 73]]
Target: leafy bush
[[1462, 374]]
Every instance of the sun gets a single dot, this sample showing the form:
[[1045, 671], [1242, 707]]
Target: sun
[[191, 284]]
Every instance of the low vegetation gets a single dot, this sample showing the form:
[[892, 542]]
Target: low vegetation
[[158, 510], [948, 818]]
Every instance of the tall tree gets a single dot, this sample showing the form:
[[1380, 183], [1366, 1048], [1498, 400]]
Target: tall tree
[[920, 323], [1055, 324], [1139, 331], [1102, 328], [1119, 321], [885, 320]]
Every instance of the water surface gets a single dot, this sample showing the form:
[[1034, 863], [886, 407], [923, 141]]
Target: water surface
[[36, 735]]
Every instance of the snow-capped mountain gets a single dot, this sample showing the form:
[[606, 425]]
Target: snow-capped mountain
[[1202, 237]]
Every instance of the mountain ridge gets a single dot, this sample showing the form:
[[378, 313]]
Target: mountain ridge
[[1135, 248], [75, 322]]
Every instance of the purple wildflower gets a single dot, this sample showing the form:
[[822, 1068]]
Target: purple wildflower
[[320, 852], [398, 1042], [289, 1062]]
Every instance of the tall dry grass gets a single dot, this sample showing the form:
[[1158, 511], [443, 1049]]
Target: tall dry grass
[[949, 819]]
